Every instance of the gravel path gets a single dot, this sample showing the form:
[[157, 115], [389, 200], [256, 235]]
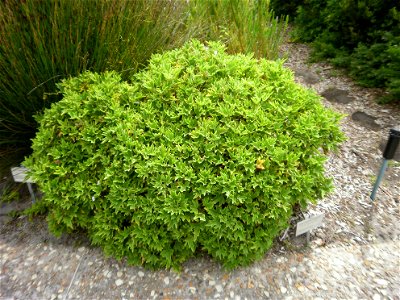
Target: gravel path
[[354, 255]]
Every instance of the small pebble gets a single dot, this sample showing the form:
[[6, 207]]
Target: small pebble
[[300, 288], [166, 280], [119, 282], [219, 288], [141, 274], [283, 290], [81, 249], [211, 282], [382, 282], [119, 274]]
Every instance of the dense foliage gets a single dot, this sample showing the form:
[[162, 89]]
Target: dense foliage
[[42, 42], [361, 36], [201, 151]]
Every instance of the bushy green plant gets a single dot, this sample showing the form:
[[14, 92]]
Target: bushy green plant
[[201, 151], [360, 36]]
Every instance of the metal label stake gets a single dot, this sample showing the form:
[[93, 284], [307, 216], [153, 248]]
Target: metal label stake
[[390, 150]]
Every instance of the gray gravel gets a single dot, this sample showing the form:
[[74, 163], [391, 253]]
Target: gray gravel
[[46, 268]]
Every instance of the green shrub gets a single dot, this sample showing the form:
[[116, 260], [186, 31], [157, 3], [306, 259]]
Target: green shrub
[[360, 36], [286, 8], [201, 151]]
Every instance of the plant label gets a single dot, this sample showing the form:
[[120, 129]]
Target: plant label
[[309, 224], [20, 175]]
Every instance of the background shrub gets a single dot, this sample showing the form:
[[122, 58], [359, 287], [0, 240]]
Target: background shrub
[[201, 151], [286, 8], [360, 36]]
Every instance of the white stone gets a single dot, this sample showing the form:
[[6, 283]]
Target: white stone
[[219, 288], [90, 263], [166, 280], [376, 297], [381, 281], [141, 274], [301, 288], [192, 289], [266, 294], [217, 296], [34, 276], [119, 274], [293, 269], [81, 249], [283, 290], [119, 282], [211, 282], [237, 297], [152, 293], [231, 294]]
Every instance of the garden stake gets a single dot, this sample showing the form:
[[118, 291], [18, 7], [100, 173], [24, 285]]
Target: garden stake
[[391, 147]]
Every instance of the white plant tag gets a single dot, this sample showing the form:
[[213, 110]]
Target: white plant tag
[[309, 224]]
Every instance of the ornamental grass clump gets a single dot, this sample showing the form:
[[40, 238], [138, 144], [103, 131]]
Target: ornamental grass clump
[[200, 151]]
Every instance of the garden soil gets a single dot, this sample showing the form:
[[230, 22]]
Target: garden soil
[[354, 254]]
